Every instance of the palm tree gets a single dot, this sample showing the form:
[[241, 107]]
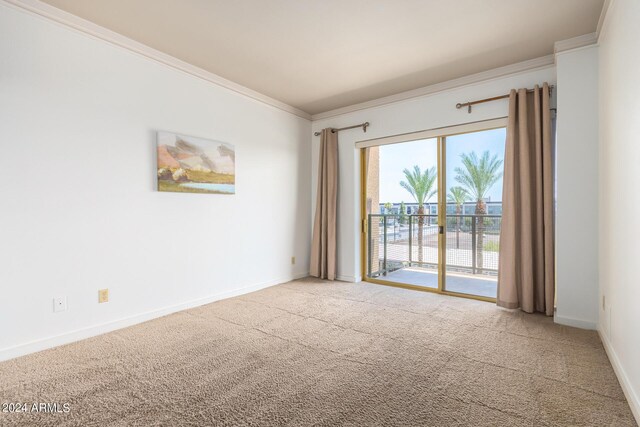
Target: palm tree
[[477, 177], [420, 185], [458, 195]]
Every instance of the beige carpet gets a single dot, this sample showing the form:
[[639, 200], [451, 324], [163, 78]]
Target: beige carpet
[[319, 353]]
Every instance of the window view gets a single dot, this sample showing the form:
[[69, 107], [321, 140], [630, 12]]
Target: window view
[[404, 243]]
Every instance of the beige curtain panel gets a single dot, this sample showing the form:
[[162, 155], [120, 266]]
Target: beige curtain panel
[[526, 264], [323, 245]]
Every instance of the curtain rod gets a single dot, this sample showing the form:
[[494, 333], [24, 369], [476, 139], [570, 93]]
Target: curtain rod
[[361, 125], [495, 98]]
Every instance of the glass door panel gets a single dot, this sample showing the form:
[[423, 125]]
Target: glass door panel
[[401, 207], [474, 164]]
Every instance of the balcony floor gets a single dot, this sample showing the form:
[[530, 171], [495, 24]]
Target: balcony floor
[[485, 286]]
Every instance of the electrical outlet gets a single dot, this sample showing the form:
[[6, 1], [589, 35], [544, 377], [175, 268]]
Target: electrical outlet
[[59, 304], [103, 295], [603, 303], [293, 260]]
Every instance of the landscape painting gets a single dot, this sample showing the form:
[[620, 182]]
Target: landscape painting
[[187, 164]]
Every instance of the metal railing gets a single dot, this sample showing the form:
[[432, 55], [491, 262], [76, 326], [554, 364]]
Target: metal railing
[[397, 241]]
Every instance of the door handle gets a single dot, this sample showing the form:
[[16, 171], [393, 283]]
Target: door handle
[[441, 229]]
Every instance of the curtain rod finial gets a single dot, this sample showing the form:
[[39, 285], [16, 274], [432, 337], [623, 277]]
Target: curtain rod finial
[[468, 104]]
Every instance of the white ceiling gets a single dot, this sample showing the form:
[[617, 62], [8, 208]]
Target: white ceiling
[[318, 55]]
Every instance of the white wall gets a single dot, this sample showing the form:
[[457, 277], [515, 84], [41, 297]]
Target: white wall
[[79, 211], [619, 201], [426, 112], [577, 188]]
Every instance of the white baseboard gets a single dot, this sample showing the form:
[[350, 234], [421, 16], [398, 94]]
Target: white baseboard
[[344, 278], [576, 323], [627, 388], [102, 328]]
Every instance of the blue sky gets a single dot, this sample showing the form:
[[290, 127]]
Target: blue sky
[[395, 158]]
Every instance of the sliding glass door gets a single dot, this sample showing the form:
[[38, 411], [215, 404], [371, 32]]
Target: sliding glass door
[[474, 164], [402, 208], [431, 212]]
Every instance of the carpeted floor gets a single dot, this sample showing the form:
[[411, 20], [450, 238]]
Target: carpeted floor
[[318, 353]]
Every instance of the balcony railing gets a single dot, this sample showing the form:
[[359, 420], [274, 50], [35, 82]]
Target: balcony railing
[[398, 241]]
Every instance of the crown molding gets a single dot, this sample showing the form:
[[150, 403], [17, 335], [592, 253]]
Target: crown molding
[[602, 22], [575, 43], [91, 29], [517, 68]]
